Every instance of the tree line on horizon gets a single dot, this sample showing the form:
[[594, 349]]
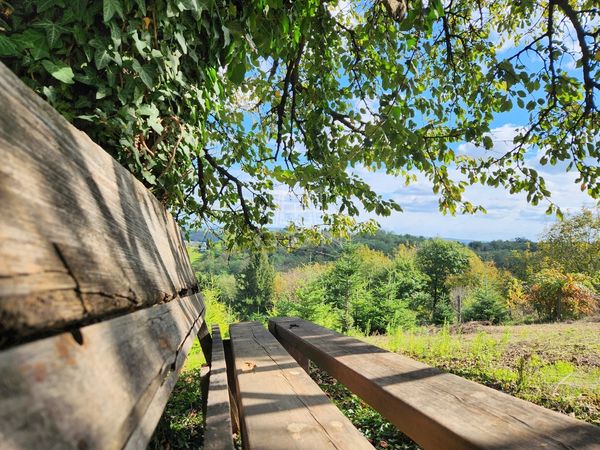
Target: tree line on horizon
[[373, 284]]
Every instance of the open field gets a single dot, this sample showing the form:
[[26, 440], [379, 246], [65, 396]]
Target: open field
[[553, 365]]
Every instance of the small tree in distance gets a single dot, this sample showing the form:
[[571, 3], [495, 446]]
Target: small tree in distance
[[256, 286], [440, 259]]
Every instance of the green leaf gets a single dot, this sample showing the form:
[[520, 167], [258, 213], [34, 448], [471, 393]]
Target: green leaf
[[237, 72], [144, 73], [53, 31], [148, 110], [140, 45], [154, 123], [60, 71], [181, 40], [142, 5], [151, 179], [87, 118], [7, 47], [110, 7], [101, 58], [488, 143], [44, 5]]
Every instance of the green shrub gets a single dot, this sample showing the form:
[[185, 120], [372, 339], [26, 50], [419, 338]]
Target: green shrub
[[216, 312], [485, 303]]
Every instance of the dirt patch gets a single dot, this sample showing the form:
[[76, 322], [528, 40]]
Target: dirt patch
[[471, 327]]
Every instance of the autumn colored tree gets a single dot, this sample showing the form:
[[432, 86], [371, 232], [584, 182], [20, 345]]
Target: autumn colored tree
[[558, 296]]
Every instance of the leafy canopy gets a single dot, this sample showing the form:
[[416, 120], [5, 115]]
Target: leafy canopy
[[215, 104], [573, 245]]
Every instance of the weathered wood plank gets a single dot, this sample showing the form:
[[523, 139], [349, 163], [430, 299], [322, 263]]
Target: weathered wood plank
[[436, 409], [294, 352], [102, 387], [218, 431], [281, 407], [233, 394], [80, 237]]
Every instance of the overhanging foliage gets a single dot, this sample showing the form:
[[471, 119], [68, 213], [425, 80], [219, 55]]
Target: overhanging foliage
[[214, 104]]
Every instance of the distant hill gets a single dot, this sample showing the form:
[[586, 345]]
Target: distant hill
[[499, 251]]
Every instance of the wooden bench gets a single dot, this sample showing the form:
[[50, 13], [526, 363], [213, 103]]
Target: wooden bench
[[280, 407], [99, 307]]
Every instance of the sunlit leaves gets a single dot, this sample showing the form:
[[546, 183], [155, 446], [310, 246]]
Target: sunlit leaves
[[307, 96], [59, 71]]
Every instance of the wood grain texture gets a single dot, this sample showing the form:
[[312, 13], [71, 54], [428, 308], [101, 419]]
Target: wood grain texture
[[436, 409], [218, 431], [281, 407], [294, 352], [103, 387], [80, 238], [233, 394]]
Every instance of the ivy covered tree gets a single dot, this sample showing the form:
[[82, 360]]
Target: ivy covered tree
[[214, 103]]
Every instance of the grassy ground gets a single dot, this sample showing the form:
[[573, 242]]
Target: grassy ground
[[553, 365]]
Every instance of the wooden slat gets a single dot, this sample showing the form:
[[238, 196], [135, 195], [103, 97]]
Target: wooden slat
[[436, 409], [233, 395], [103, 387], [281, 407], [218, 432], [80, 237]]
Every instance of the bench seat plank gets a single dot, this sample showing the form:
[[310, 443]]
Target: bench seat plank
[[101, 387], [218, 431], [281, 407], [438, 410]]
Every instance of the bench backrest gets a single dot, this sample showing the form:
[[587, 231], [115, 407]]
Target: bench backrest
[[98, 301]]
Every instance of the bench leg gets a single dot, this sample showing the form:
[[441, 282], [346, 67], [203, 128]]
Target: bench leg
[[206, 344]]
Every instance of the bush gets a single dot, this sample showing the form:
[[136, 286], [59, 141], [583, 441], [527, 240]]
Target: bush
[[310, 306], [558, 296], [216, 312], [486, 304]]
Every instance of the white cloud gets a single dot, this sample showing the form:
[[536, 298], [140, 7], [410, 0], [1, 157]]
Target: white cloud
[[509, 216]]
